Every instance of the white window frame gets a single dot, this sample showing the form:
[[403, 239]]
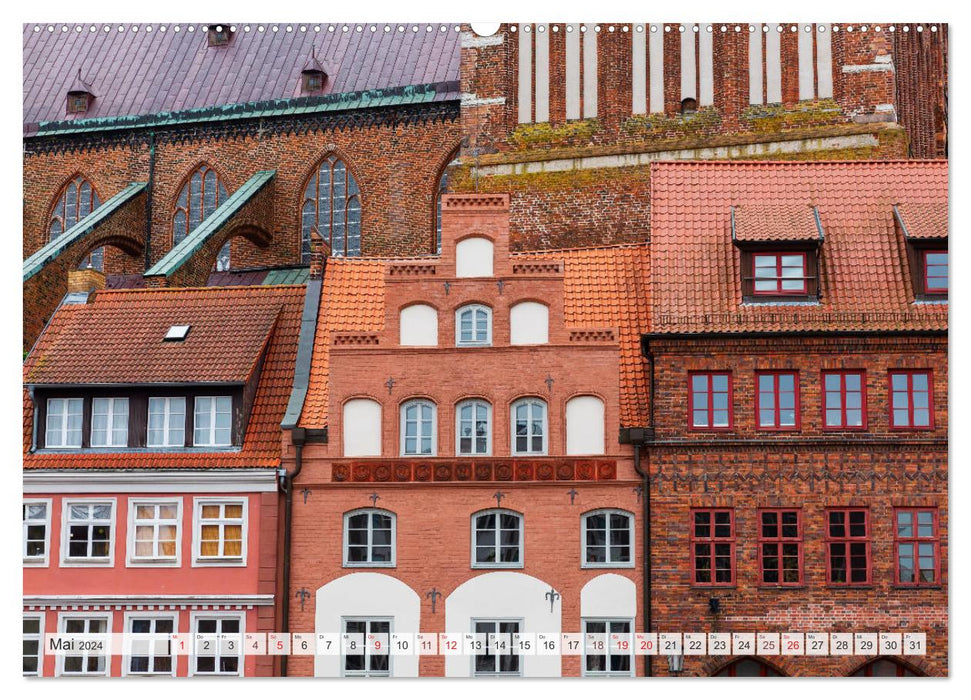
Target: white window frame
[[584, 564], [419, 435], [529, 436], [474, 309], [39, 636], [394, 540], [497, 620], [45, 560], [194, 618], [135, 561], [111, 416], [458, 428], [131, 615], [367, 673], [498, 512], [197, 559], [61, 658], [210, 427], [63, 430], [69, 561], [607, 673], [167, 415]]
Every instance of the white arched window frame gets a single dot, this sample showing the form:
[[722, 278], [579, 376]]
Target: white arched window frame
[[370, 538], [361, 428], [529, 427], [585, 426], [418, 326], [473, 325], [497, 539], [607, 539], [419, 432], [529, 323], [473, 427], [474, 257]]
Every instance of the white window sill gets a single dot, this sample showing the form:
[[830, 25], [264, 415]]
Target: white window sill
[[234, 561], [366, 565], [152, 563], [624, 565], [94, 563], [497, 566]]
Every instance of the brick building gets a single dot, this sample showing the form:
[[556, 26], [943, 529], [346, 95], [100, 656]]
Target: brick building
[[151, 449], [798, 459]]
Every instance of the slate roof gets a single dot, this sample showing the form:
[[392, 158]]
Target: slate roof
[[152, 72], [603, 287], [864, 277], [788, 221], [117, 337]]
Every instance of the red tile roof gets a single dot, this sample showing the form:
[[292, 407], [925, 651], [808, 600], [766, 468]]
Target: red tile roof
[[788, 221], [864, 283], [149, 72], [923, 220], [603, 287], [224, 308]]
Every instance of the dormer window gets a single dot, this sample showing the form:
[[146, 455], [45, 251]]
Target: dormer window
[[79, 96], [313, 80], [779, 273], [219, 34], [924, 227], [935, 271]]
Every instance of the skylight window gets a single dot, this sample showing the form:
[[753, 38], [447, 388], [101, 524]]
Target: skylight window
[[177, 333]]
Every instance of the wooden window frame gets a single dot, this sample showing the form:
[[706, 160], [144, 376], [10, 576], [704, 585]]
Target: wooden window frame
[[34, 636], [475, 403], [154, 561], [210, 415], [66, 559], [111, 416], [608, 564], [521, 547], [710, 374], [65, 414], [776, 427], [198, 560], [38, 561], [497, 621], [810, 277], [367, 672], [61, 659], [195, 617], [370, 563], [909, 373], [475, 310], [934, 539], [419, 435], [843, 427], [847, 540], [129, 618], [529, 400], [923, 258], [607, 673], [711, 540], [779, 540]]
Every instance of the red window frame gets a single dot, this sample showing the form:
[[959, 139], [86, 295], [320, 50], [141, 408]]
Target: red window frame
[[778, 542], [775, 390], [779, 291], [915, 539], [928, 289], [909, 373], [842, 390], [710, 396], [711, 541], [847, 540]]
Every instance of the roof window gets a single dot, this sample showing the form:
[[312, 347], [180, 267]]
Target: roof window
[[177, 333]]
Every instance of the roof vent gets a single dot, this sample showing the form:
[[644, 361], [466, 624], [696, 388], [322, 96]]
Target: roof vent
[[314, 75], [219, 33], [79, 96], [177, 333]]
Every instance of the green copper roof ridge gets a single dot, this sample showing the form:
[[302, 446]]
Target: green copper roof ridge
[[50, 252], [181, 253], [341, 101]]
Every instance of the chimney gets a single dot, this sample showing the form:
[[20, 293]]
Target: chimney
[[85, 280], [317, 262]]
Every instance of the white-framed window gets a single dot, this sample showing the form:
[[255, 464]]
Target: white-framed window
[[529, 323], [64, 418], [585, 426], [37, 531], [150, 653], [607, 539], [88, 532], [418, 325], [529, 427], [497, 539], [473, 325], [218, 641], [33, 644], [473, 428], [600, 658], [220, 532], [166, 421], [361, 658], [474, 257], [89, 660], [369, 537], [419, 430], [213, 421], [154, 532], [109, 422], [495, 657], [361, 426]]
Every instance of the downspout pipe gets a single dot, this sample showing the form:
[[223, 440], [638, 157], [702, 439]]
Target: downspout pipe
[[646, 549], [298, 436]]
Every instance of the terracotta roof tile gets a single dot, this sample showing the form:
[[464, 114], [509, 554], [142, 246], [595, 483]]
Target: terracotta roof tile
[[787, 221], [864, 282], [924, 220], [261, 447]]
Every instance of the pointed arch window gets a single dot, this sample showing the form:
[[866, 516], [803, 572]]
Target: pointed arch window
[[442, 188], [77, 200], [201, 195], [332, 205]]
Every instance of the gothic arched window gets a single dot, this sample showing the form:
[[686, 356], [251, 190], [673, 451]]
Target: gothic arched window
[[201, 195], [332, 205], [77, 200]]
